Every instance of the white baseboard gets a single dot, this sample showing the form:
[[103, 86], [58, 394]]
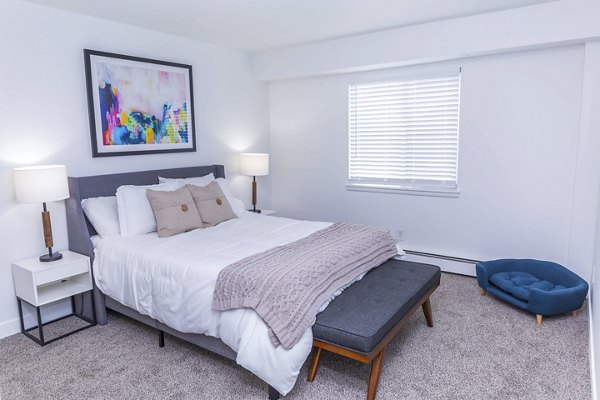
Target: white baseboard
[[49, 312], [455, 267], [9, 328]]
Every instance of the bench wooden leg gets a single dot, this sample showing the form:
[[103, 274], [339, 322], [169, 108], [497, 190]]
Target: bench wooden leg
[[314, 364], [375, 373], [538, 319], [427, 312], [482, 292]]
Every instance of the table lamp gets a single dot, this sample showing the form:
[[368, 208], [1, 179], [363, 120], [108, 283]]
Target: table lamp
[[254, 164], [41, 184]]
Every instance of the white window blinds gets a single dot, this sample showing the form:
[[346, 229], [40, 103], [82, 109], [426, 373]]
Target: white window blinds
[[404, 133]]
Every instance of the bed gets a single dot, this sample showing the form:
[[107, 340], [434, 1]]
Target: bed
[[81, 234], [128, 271]]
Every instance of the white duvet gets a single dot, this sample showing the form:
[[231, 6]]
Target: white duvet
[[172, 280]]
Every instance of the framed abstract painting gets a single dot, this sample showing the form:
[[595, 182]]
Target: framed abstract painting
[[138, 105]]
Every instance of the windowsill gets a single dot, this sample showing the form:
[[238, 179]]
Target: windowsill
[[404, 190]]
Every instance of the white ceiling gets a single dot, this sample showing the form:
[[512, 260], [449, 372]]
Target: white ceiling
[[255, 25]]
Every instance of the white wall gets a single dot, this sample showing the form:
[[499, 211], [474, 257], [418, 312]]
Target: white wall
[[586, 191], [594, 299], [519, 129], [45, 120], [567, 236], [590, 137], [550, 24]]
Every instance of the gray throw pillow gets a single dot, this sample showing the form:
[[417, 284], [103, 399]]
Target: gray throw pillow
[[175, 211], [211, 203]]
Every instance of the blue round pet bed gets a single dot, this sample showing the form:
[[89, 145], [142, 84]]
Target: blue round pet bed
[[540, 287]]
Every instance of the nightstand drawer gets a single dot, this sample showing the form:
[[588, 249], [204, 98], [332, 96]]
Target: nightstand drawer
[[61, 272]]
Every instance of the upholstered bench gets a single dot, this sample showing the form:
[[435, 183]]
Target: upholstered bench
[[361, 321], [540, 287]]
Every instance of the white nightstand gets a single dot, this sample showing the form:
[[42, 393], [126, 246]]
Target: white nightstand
[[39, 283], [266, 212]]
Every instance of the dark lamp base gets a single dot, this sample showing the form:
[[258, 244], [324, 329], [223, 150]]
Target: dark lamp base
[[255, 211], [50, 258]]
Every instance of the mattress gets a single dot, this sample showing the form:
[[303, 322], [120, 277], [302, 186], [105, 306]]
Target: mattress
[[172, 280]]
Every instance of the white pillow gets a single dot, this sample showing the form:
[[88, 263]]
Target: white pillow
[[135, 213], [236, 204], [103, 215], [197, 180]]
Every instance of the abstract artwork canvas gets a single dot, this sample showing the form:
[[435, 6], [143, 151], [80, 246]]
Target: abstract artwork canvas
[[138, 105]]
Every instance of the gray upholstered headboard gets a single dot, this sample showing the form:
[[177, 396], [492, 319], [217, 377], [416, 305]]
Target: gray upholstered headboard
[[85, 187], [79, 228]]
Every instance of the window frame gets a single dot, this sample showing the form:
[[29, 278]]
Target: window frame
[[418, 188]]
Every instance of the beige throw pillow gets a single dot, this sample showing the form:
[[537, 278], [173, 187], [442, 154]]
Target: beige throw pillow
[[175, 212], [211, 203]]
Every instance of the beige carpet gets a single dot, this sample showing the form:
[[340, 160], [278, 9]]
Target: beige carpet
[[479, 348]]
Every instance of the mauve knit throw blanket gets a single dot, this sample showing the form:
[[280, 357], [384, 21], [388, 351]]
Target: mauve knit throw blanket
[[288, 284]]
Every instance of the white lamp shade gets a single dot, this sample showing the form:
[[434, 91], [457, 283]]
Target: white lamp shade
[[254, 164], [41, 183]]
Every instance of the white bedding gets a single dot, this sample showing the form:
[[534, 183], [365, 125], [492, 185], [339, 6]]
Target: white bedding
[[172, 280]]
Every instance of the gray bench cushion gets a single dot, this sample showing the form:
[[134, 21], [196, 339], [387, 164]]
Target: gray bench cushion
[[364, 313]]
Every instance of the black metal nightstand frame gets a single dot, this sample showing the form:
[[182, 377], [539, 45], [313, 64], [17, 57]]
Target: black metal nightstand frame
[[40, 325]]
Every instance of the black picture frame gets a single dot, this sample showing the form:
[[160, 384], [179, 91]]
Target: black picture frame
[[124, 142]]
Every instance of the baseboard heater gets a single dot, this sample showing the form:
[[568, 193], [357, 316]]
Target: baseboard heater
[[441, 256]]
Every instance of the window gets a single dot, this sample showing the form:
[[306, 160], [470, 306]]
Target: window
[[404, 134]]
